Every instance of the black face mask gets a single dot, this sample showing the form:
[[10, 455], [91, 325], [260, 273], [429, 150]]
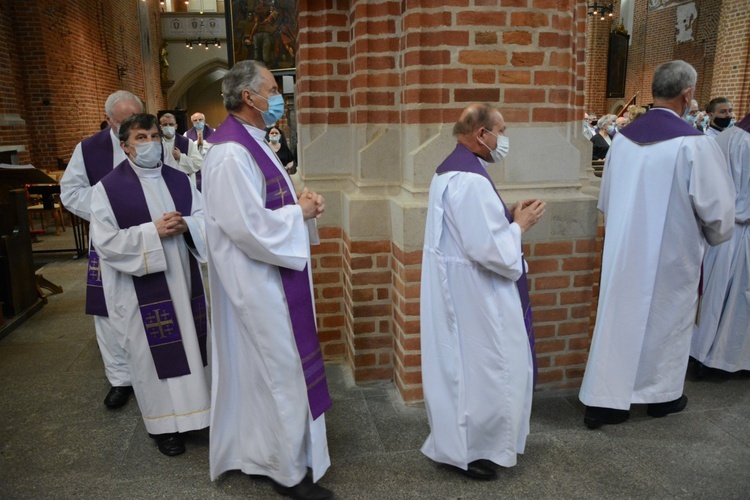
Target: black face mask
[[593, 123], [723, 122]]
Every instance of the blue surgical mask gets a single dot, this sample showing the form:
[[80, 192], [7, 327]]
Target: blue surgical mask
[[691, 119], [704, 122], [610, 129], [275, 109], [274, 138], [168, 131], [148, 154], [199, 125]]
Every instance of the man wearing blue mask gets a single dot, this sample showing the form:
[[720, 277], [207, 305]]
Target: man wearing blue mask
[[199, 131], [147, 228], [269, 391], [478, 362], [92, 159], [180, 152]]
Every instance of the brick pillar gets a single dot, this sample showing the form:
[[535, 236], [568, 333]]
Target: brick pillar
[[597, 50], [731, 76]]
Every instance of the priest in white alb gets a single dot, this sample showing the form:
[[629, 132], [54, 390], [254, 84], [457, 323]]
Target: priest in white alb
[[722, 338], [666, 194], [269, 391], [180, 152], [478, 362], [147, 228], [92, 159]]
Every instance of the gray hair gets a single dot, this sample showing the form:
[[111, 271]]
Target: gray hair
[[605, 120], [244, 75], [120, 95], [168, 115], [672, 78]]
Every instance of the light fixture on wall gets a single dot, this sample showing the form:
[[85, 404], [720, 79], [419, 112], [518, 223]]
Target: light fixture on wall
[[601, 10], [202, 42]]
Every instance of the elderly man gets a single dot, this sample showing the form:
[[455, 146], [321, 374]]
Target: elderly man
[[721, 339], [665, 195], [200, 130], [179, 151], [92, 159], [147, 227], [477, 341], [719, 112], [269, 390]]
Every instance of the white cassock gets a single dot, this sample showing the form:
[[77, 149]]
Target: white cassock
[[722, 340], [477, 368], [75, 195], [260, 422], [662, 203], [176, 404], [189, 163]]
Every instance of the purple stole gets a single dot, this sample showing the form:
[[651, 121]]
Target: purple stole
[[193, 134], [657, 126], [97, 159], [463, 160], [182, 143], [296, 283], [160, 322]]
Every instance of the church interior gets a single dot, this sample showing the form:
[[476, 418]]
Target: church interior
[[372, 89]]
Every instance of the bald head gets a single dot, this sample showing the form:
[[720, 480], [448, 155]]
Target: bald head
[[478, 128]]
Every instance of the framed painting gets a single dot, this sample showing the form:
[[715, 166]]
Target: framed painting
[[263, 30], [617, 64]]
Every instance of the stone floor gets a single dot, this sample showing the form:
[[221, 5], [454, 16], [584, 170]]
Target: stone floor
[[57, 440]]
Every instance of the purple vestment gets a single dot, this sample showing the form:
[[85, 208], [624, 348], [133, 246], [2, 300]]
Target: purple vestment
[[657, 125], [160, 322], [296, 283], [463, 160]]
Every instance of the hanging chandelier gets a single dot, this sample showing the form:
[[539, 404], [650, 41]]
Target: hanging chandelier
[[202, 42], [601, 10]]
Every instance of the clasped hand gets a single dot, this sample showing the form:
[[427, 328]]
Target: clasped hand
[[313, 205], [170, 224], [526, 213]]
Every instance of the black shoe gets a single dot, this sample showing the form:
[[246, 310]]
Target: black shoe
[[484, 470], [170, 444], [658, 410], [305, 490], [118, 396], [596, 416]]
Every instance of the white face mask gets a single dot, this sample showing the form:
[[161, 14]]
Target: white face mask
[[501, 150], [148, 154], [168, 131]]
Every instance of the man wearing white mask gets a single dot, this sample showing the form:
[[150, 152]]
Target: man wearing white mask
[[92, 159], [179, 151], [477, 339], [147, 227]]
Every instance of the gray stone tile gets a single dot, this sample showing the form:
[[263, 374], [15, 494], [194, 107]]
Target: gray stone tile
[[400, 427], [687, 453], [553, 414], [341, 383], [31, 359], [350, 430]]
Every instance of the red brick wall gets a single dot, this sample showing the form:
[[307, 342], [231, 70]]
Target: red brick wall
[[65, 63], [406, 62], [731, 76], [12, 96]]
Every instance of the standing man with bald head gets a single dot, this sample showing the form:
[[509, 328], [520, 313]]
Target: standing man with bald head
[[92, 159], [199, 131], [477, 338]]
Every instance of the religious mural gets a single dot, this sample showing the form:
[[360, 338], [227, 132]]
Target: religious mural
[[686, 17], [661, 4], [263, 30]]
